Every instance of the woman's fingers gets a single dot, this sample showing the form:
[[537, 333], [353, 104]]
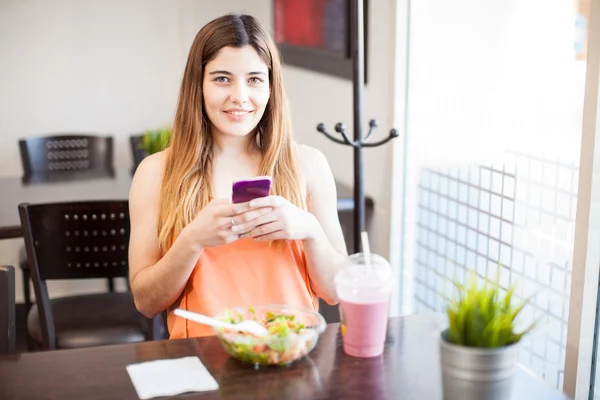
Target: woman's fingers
[[231, 221], [268, 201], [263, 229], [263, 218], [277, 235]]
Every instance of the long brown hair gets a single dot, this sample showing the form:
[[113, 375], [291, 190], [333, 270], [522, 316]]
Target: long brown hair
[[187, 181]]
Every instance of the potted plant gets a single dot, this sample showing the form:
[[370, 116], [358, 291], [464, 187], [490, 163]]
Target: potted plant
[[479, 348], [156, 140]]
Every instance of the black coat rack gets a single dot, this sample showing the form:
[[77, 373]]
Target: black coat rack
[[357, 56]]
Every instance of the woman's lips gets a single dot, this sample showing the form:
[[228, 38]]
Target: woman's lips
[[237, 115]]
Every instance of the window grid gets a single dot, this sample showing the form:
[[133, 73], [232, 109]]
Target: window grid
[[519, 216]]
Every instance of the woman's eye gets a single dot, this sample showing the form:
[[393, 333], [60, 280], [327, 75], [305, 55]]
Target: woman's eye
[[221, 79], [255, 81]]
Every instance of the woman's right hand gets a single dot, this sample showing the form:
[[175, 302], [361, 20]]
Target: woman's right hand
[[213, 226]]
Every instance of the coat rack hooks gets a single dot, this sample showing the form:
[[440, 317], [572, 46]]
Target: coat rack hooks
[[358, 142]]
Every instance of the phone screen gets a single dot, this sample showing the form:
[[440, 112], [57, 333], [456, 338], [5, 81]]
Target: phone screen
[[249, 189]]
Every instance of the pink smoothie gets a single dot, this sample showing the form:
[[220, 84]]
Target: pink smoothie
[[364, 327]]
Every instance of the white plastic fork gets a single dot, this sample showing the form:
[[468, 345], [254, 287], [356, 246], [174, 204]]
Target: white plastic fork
[[249, 326]]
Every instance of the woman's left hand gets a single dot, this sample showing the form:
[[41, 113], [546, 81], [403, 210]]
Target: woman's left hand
[[285, 221]]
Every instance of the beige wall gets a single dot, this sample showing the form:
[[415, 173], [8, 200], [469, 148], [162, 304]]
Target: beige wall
[[114, 67], [318, 98]]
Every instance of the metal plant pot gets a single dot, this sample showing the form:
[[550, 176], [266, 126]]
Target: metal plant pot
[[470, 373]]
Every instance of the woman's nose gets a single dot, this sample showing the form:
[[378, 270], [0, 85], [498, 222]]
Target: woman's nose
[[239, 93]]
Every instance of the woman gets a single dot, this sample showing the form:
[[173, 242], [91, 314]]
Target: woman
[[190, 247]]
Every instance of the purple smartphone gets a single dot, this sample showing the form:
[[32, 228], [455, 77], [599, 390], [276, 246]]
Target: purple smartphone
[[249, 189]]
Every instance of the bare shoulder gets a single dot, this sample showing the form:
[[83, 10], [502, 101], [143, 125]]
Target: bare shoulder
[[315, 168], [322, 194], [148, 175], [312, 161], [153, 163], [306, 152]]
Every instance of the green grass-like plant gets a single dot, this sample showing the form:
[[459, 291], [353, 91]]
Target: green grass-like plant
[[156, 140], [481, 316]]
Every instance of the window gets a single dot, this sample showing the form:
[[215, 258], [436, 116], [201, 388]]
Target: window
[[488, 173]]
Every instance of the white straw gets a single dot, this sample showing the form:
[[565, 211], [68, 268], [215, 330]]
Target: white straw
[[364, 236]]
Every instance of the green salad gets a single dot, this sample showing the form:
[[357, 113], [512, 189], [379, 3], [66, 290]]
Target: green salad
[[288, 338]]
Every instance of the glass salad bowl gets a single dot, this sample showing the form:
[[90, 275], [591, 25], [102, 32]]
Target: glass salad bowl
[[293, 333]]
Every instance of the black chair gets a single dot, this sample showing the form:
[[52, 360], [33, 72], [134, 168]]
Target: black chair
[[63, 158], [66, 157], [7, 310], [81, 240], [137, 151]]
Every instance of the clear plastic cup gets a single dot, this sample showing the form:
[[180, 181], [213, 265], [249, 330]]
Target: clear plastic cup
[[364, 294]]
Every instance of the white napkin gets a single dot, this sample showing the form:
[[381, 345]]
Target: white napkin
[[170, 377]]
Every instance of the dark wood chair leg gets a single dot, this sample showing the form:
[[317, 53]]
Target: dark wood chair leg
[[26, 289], [111, 285], [32, 346]]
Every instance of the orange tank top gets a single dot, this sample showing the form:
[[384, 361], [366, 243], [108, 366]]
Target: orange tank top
[[242, 274]]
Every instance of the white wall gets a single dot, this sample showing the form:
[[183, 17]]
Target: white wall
[[110, 67], [114, 67]]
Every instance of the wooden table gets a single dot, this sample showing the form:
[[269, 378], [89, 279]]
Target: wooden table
[[117, 188], [409, 370]]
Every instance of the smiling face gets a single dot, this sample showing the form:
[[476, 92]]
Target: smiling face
[[236, 90]]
